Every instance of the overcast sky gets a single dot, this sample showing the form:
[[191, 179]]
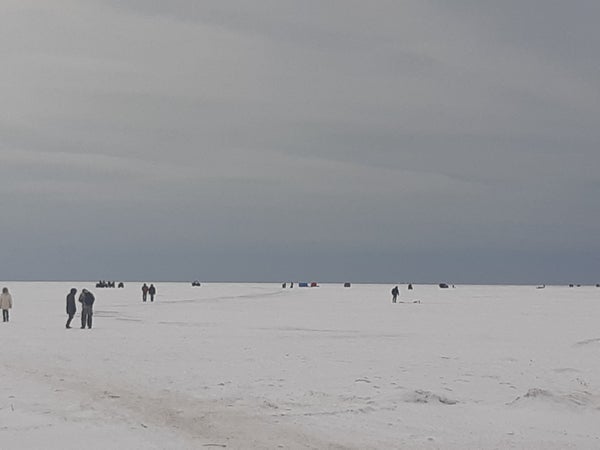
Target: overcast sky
[[273, 140]]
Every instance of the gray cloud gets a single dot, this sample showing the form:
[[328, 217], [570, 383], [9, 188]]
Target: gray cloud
[[278, 139]]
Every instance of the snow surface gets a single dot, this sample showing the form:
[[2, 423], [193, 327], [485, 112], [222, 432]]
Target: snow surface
[[256, 366]]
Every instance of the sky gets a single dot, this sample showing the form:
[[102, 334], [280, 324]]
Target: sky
[[275, 140]]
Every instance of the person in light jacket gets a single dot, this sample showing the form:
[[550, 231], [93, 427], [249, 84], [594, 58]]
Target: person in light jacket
[[5, 303]]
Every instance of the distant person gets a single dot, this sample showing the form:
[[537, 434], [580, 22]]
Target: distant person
[[395, 294], [291, 285], [87, 308], [144, 292], [283, 285], [152, 292], [410, 286], [5, 303], [71, 306]]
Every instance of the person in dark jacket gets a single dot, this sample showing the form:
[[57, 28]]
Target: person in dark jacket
[[152, 292], [71, 307], [87, 308], [395, 294], [144, 292]]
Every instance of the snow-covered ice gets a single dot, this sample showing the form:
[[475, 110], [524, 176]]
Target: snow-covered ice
[[245, 366]]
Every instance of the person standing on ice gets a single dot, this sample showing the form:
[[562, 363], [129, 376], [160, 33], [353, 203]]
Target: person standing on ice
[[395, 294], [5, 303], [144, 292], [152, 292], [87, 308], [71, 307]]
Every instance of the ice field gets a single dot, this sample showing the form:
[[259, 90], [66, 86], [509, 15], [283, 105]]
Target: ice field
[[245, 366]]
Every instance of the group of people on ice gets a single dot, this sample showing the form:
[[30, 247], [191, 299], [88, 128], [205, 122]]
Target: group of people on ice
[[396, 294], [148, 290], [86, 298]]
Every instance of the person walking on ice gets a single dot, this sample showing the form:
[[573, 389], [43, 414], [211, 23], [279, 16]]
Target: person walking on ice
[[395, 294], [144, 292], [87, 308], [71, 307], [152, 292], [5, 303]]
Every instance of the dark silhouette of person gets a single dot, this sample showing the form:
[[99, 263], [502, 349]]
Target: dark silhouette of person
[[144, 292], [410, 286], [395, 293], [87, 308], [71, 306], [152, 292]]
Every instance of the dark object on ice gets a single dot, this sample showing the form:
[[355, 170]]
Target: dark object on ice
[[570, 285], [152, 292], [598, 285], [410, 286], [71, 306], [87, 308], [105, 284], [314, 284], [541, 287], [121, 285], [347, 285], [303, 284], [291, 285], [283, 285], [395, 294], [443, 286], [144, 292], [195, 283]]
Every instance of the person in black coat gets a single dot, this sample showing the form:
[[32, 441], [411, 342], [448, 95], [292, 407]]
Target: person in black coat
[[87, 302], [152, 292], [395, 294], [71, 307]]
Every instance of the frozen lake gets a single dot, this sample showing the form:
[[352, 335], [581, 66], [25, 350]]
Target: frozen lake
[[256, 366]]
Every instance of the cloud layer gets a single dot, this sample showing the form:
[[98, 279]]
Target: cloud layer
[[273, 140]]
